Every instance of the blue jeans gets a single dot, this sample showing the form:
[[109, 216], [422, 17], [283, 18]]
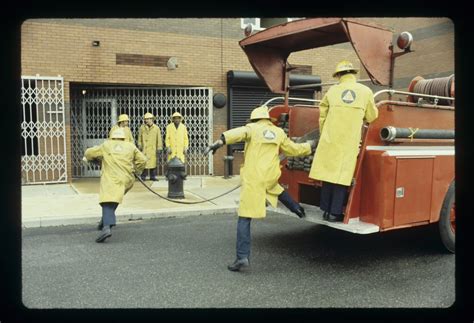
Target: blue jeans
[[243, 238], [149, 171], [333, 198], [108, 212]]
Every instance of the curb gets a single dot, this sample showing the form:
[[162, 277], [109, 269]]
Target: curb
[[124, 218]]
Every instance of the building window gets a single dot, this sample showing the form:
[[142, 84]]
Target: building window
[[263, 23], [255, 22]]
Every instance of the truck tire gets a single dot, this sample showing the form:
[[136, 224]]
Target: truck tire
[[447, 225]]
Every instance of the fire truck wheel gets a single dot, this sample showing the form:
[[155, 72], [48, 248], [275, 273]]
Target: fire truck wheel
[[447, 225]]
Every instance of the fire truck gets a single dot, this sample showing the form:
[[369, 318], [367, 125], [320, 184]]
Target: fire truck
[[404, 175]]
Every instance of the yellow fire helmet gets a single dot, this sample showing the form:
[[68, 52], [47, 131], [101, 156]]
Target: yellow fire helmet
[[118, 134], [260, 113], [177, 114], [123, 117], [148, 115], [344, 66]]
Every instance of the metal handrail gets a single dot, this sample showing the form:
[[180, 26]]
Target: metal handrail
[[392, 92], [304, 105], [412, 104], [295, 99]]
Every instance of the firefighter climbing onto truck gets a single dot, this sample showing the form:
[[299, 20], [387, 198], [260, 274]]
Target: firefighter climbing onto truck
[[341, 113]]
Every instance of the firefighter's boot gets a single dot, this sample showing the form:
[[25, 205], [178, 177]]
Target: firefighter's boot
[[335, 217], [104, 234], [300, 212], [101, 225], [238, 264], [325, 216], [291, 204]]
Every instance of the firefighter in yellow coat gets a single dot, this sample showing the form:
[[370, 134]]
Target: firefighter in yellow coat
[[122, 122], [260, 174], [149, 142], [342, 112], [120, 159], [176, 138]]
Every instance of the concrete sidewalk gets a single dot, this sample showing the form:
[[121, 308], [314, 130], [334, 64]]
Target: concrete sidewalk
[[78, 202]]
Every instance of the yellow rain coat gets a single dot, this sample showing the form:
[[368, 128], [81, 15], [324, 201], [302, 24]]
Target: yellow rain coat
[[341, 114], [149, 141], [119, 160], [177, 140], [261, 169], [128, 133]]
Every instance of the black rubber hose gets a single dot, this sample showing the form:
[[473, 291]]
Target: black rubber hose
[[183, 202], [390, 133]]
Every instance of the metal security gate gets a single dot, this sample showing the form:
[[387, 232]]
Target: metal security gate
[[95, 109], [97, 117], [43, 131]]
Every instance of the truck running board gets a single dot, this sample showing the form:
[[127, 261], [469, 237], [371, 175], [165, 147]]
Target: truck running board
[[315, 215]]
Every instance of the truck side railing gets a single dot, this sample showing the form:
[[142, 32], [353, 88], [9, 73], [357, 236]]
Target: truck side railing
[[295, 99], [420, 95], [389, 91], [415, 105]]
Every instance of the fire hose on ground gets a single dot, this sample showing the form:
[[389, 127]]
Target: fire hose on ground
[[184, 202]]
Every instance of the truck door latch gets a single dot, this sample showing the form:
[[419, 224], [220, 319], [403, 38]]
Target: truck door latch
[[400, 192]]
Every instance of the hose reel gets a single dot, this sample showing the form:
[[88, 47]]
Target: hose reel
[[442, 86]]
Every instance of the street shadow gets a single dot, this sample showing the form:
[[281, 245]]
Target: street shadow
[[341, 248]]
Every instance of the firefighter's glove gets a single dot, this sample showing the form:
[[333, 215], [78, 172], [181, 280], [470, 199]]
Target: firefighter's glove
[[216, 145], [95, 162], [168, 150], [85, 161], [312, 143]]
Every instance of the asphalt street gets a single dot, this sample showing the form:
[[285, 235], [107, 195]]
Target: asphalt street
[[182, 263]]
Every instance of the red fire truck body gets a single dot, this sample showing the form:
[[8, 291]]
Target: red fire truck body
[[399, 181]]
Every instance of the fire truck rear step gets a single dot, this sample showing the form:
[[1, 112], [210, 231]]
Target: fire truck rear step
[[315, 215]]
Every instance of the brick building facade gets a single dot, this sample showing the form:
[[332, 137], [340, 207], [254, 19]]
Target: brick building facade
[[134, 53]]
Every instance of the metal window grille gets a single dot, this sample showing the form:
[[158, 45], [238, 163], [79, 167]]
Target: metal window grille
[[96, 111], [43, 131]]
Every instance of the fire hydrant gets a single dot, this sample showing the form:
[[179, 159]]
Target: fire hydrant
[[175, 175]]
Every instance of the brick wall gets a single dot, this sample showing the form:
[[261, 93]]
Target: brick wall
[[206, 49], [51, 49], [433, 48]]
